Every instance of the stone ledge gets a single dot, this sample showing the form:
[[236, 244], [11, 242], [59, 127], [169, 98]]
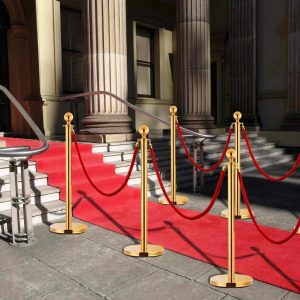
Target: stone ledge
[[282, 138], [106, 138]]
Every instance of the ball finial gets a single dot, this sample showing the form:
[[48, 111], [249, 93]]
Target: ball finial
[[230, 154], [237, 115], [143, 130], [173, 109], [68, 117]]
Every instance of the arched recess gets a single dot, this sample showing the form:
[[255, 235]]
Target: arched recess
[[16, 12], [23, 63]]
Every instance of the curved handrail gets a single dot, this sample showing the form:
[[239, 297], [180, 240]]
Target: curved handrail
[[74, 96], [22, 151]]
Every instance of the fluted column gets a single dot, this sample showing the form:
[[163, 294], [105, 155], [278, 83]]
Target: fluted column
[[193, 63], [106, 70], [292, 119], [242, 59]]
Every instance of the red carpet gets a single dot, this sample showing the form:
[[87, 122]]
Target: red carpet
[[204, 239]]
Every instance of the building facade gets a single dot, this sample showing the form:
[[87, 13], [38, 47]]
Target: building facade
[[208, 57]]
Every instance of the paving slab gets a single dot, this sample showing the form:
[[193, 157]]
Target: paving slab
[[163, 285], [29, 280], [109, 238], [258, 290], [108, 272], [291, 296], [64, 251], [70, 293], [11, 256], [179, 264]]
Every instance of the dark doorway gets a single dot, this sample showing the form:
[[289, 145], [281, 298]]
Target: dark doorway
[[4, 76]]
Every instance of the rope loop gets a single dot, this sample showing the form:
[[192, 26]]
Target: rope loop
[[200, 168], [195, 217], [274, 179], [90, 180], [278, 242]]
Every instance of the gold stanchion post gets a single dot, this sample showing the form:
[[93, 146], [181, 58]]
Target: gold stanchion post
[[231, 280], [177, 200], [238, 212], [68, 227], [144, 249]]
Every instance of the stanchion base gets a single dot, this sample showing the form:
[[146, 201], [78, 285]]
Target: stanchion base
[[62, 228], [136, 250], [244, 214], [222, 281], [180, 200]]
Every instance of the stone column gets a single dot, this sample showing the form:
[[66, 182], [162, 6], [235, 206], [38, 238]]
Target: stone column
[[242, 59], [194, 64], [106, 70], [292, 119], [50, 66]]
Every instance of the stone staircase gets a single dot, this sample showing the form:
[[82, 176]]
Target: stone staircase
[[48, 208], [120, 154]]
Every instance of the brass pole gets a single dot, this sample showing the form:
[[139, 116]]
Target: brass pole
[[179, 200], [231, 279], [144, 187], [68, 131], [238, 212], [237, 129], [231, 208], [144, 249], [68, 227]]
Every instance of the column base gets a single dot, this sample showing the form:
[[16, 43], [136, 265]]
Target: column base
[[106, 138], [196, 122], [106, 128], [291, 122]]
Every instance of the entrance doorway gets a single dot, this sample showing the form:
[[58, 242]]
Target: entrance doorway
[[4, 76]]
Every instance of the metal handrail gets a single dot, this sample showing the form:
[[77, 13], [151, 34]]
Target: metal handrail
[[22, 151], [74, 96]]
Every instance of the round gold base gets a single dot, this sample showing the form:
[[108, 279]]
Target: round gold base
[[136, 250], [62, 228], [180, 200], [244, 214], [239, 281]]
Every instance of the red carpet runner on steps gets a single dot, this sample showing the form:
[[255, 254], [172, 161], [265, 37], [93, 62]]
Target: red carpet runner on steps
[[204, 239]]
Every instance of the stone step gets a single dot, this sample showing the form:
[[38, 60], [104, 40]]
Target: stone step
[[163, 153], [36, 179], [101, 148], [4, 167], [154, 188], [47, 213], [39, 196], [135, 177]]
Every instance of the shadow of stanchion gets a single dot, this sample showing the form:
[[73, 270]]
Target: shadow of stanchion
[[208, 255], [188, 241], [104, 213], [277, 269]]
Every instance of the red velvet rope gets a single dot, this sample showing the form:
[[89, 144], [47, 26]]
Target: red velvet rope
[[289, 173], [198, 216], [90, 180], [292, 234], [192, 160]]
